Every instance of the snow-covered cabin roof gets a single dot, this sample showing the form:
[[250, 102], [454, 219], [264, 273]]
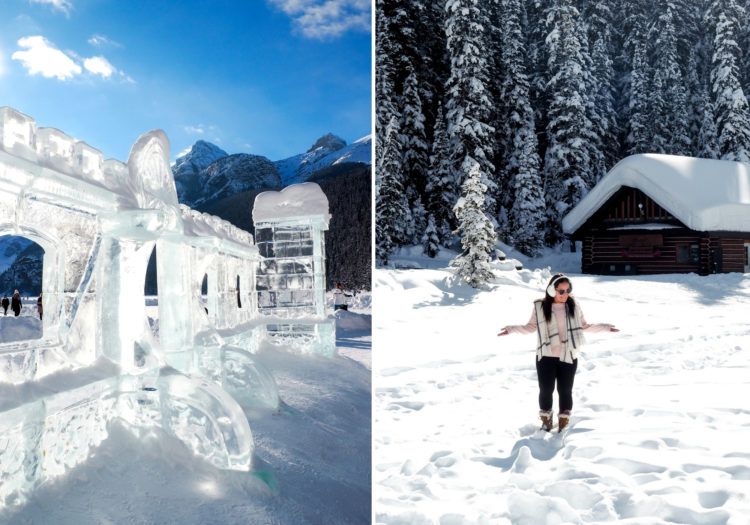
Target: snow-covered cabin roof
[[704, 194], [295, 201]]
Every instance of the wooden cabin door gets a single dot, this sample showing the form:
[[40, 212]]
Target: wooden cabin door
[[747, 257]]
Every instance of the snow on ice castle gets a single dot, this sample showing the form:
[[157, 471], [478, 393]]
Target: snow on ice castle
[[98, 221]]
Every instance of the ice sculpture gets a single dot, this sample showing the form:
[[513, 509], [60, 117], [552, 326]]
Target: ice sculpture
[[98, 222], [289, 226]]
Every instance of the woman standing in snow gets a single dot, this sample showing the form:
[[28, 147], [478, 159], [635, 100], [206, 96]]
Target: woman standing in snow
[[559, 323]]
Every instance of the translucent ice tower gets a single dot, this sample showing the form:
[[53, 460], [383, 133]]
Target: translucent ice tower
[[289, 233]]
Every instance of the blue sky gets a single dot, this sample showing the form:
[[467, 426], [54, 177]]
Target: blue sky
[[266, 77]]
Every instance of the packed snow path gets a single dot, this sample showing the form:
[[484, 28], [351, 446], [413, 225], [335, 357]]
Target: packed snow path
[[660, 425]]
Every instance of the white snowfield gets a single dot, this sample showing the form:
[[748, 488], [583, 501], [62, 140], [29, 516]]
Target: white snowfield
[[704, 194], [660, 426]]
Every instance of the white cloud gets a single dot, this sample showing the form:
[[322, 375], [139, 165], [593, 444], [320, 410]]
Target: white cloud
[[98, 40], [195, 130], [64, 6], [327, 18], [99, 66], [41, 57]]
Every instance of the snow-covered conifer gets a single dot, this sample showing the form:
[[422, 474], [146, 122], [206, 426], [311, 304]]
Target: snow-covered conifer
[[668, 96], [525, 211], [430, 239], [442, 189], [639, 121], [416, 149], [569, 155], [730, 103], [708, 137], [468, 104], [391, 208], [474, 227]]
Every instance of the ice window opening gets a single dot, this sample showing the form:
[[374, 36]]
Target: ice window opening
[[151, 294], [21, 281], [204, 293], [239, 294]]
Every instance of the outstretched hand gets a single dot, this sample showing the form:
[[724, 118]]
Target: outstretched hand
[[504, 331]]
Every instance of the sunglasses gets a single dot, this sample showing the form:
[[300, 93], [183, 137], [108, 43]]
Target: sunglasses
[[564, 292]]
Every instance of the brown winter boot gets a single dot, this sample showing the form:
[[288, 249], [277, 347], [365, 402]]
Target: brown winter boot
[[562, 421], [546, 418]]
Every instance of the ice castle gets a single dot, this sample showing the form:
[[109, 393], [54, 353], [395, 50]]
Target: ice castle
[[98, 222]]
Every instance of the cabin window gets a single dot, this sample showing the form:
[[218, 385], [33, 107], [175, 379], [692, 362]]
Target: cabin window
[[645, 246], [688, 253]]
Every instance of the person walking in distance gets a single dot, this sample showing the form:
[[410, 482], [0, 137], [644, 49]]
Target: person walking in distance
[[39, 307], [340, 298], [6, 304], [15, 303], [559, 323]]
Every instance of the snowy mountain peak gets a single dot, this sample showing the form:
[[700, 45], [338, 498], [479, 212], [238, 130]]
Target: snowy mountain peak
[[300, 167], [201, 154], [329, 142]]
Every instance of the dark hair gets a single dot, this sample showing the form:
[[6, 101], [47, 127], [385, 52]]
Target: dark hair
[[570, 304]]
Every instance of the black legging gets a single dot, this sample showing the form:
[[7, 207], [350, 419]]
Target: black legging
[[549, 369]]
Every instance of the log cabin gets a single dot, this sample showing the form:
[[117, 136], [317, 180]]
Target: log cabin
[[656, 213]]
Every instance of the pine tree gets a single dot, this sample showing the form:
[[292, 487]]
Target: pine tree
[[384, 92], [600, 19], [468, 102], [525, 211], [415, 153], [730, 103], [441, 189], [568, 159], [668, 96], [391, 208], [475, 228], [708, 137], [639, 122], [430, 239]]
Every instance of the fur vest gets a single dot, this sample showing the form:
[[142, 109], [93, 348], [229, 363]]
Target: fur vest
[[547, 335]]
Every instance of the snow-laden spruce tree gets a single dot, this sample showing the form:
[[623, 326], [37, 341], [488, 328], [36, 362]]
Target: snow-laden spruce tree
[[572, 141], [416, 154], [669, 103], [385, 71], [442, 187], [430, 239], [730, 103], [599, 20], [707, 137], [468, 104], [392, 215], [526, 216], [475, 228], [639, 121], [416, 149]]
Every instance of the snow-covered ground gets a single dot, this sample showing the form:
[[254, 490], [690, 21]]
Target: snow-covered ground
[[660, 430], [312, 458]]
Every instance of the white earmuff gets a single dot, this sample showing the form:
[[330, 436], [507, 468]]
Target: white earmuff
[[551, 288]]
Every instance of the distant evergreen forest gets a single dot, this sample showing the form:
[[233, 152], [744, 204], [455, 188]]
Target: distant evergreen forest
[[495, 117]]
